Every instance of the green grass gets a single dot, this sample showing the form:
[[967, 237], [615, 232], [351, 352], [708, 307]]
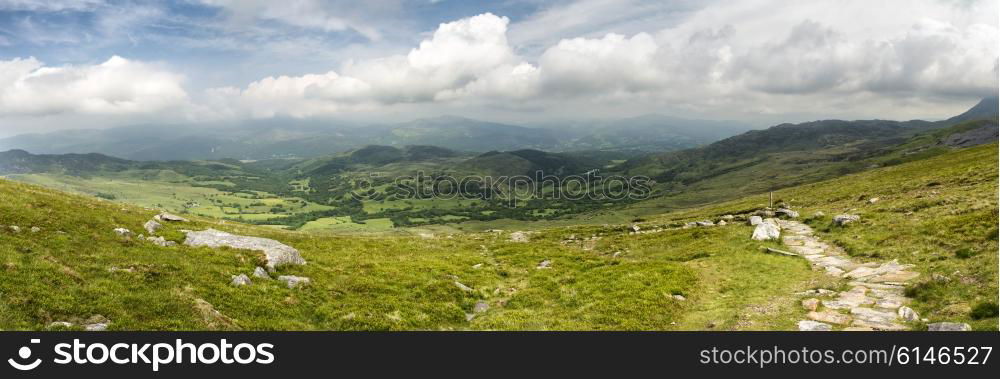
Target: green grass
[[939, 213]]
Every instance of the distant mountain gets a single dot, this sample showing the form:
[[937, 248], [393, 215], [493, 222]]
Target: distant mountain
[[285, 138], [22, 162], [651, 133], [791, 154], [986, 109]]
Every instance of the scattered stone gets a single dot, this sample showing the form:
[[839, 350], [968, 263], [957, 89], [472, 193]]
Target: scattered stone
[[35, 229], [635, 228], [463, 287], [122, 232], [729, 217], [480, 307], [160, 241], [477, 266], [819, 214], [294, 281], [15, 228], [810, 304], [949, 327], [544, 264], [60, 324], [260, 272], [679, 297], [766, 231], [908, 314], [830, 317], [96, 323], [169, 217], [152, 226], [721, 223], [787, 213], [705, 223], [841, 220], [519, 237], [813, 326], [873, 200], [276, 253], [240, 280], [755, 220]]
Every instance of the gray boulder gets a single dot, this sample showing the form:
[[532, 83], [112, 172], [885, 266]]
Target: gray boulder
[[276, 253], [814, 326], [755, 220], [35, 229], [169, 217], [705, 223], [787, 213], [240, 280], [260, 272], [294, 281], [152, 226], [766, 231], [122, 232], [160, 241], [841, 220]]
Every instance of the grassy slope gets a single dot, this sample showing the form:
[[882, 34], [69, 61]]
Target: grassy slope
[[386, 282], [939, 213], [399, 282]]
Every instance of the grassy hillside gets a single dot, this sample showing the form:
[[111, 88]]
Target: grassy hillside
[[75, 267], [939, 213]]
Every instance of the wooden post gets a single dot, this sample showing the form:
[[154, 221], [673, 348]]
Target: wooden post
[[770, 199]]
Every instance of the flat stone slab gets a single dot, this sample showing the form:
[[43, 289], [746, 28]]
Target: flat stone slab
[[814, 326], [830, 317], [277, 253]]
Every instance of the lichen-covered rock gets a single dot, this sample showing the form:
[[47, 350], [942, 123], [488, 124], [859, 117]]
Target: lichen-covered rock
[[841, 220], [169, 217], [787, 213], [294, 281], [766, 231], [240, 280], [949, 327], [276, 253], [813, 326], [260, 272], [152, 226]]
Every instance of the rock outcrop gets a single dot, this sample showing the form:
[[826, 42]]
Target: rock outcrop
[[277, 253]]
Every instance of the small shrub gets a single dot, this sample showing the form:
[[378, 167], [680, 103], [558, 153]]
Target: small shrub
[[987, 309], [964, 253]]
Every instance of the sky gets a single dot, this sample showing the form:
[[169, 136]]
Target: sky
[[72, 64]]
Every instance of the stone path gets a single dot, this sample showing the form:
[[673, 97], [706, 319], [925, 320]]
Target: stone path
[[875, 300]]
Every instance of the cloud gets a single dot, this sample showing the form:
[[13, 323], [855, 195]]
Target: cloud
[[468, 52], [571, 59], [313, 14], [50, 5], [117, 86]]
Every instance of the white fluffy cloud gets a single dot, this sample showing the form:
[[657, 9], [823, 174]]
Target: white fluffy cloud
[[749, 59], [469, 52], [115, 87], [845, 58]]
